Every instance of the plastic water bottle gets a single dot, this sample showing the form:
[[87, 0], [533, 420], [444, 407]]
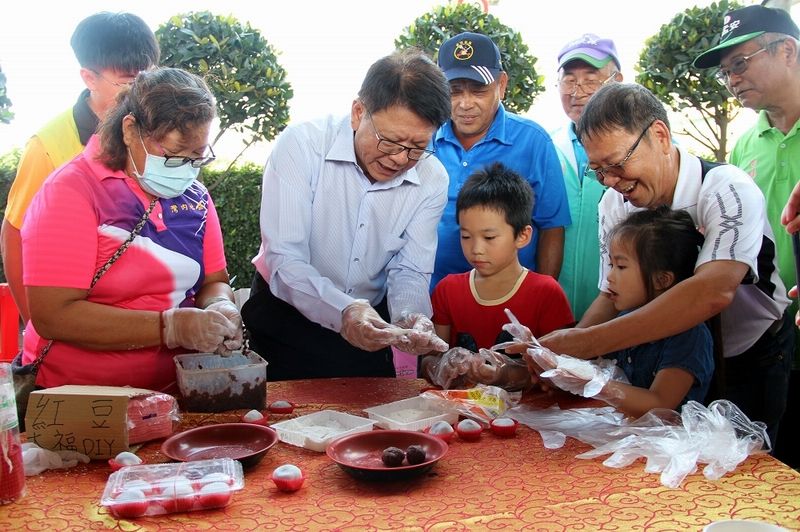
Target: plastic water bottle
[[12, 471]]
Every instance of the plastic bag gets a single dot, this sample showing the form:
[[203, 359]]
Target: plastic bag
[[594, 426], [461, 368], [481, 403]]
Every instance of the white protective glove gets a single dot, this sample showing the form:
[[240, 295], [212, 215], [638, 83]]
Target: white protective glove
[[228, 308], [419, 337], [363, 327], [196, 329]]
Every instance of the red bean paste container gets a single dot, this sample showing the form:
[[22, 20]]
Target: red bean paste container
[[12, 471]]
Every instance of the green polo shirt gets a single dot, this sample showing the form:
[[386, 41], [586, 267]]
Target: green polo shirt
[[772, 159]]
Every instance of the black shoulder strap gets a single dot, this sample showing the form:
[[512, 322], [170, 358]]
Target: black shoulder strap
[[705, 166]]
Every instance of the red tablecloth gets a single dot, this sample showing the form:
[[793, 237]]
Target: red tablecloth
[[490, 484]]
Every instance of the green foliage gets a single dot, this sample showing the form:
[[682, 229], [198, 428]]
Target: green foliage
[[430, 30], [240, 67], [665, 67], [5, 113], [238, 203], [8, 170]]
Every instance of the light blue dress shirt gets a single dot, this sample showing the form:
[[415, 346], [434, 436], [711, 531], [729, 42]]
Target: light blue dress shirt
[[330, 236]]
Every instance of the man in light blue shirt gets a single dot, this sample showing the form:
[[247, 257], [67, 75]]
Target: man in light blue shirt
[[584, 65], [348, 227], [481, 132]]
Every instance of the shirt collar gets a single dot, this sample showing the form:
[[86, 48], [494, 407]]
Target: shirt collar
[[497, 131], [85, 119], [98, 169], [763, 125], [343, 149]]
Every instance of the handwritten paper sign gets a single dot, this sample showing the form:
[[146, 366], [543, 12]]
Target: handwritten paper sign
[[89, 419]]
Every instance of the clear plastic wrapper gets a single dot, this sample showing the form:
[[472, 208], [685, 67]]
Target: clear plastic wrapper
[[156, 489], [151, 417], [481, 403], [414, 413]]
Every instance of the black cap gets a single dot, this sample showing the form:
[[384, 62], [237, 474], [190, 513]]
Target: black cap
[[472, 56], [744, 24]]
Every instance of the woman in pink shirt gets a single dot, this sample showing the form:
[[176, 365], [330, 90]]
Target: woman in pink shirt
[[168, 292]]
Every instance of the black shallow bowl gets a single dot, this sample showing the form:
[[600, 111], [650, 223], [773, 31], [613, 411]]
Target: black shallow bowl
[[245, 442], [360, 454]]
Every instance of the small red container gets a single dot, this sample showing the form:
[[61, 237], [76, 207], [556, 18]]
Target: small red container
[[504, 431]]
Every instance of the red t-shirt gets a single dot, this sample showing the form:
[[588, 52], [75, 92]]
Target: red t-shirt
[[537, 300]]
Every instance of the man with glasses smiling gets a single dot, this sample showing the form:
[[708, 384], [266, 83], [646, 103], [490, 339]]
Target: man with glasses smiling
[[111, 49], [585, 64], [627, 137], [348, 219]]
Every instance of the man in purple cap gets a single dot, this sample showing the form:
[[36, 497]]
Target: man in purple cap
[[584, 65], [480, 132], [757, 60]]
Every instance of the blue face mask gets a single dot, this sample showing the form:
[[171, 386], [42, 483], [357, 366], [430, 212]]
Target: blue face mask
[[163, 181]]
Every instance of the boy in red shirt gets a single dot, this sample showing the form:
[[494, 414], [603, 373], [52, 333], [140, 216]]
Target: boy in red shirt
[[494, 212]]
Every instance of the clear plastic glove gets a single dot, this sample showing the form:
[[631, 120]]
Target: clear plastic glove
[[197, 329], [35, 459], [419, 336], [523, 337], [587, 378], [449, 369], [228, 308], [363, 327]]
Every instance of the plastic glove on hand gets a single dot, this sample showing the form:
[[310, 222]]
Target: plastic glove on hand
[[228, 308], [196, 329], [420, 337], [363, 327], [453, 366]]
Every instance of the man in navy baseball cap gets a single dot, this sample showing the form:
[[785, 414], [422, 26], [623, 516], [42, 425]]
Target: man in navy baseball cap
[[480, 132], [470, 56]]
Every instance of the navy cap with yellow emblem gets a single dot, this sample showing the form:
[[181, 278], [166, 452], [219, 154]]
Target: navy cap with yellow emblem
[[741, 25], [470, 56]]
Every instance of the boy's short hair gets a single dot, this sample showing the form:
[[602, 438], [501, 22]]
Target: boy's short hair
[[499, 188], [122, 42]]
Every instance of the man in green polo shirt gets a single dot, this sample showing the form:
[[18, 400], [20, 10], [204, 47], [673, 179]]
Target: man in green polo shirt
[[758, 63]]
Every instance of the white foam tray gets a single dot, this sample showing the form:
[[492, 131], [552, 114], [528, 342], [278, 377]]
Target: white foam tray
[[315, 431], [415, 413]]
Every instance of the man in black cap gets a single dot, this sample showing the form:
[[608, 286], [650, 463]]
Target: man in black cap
[[758, 63], [480, 132]]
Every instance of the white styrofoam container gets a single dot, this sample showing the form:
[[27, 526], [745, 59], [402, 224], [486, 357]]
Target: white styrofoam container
[[315, 431], [415, 413]]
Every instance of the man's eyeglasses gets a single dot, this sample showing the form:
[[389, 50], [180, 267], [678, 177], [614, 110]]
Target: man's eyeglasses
[[616, 169], [115, 83], [390, 147], [589, 86], [739, 65], [174, 161]]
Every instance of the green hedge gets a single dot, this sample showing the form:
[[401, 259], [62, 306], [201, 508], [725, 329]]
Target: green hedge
[[237, 198]]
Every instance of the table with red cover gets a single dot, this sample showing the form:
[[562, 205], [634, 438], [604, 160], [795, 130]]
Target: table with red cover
[[494, 483]]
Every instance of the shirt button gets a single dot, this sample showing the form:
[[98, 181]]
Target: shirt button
[[355, 259], [349, 290], [783, 145], [360, 226], [783, 163], [464, 164], [160, 216], [629, 360]]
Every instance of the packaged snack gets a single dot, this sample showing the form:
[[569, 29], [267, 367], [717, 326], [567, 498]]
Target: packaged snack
[[153, 489]]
